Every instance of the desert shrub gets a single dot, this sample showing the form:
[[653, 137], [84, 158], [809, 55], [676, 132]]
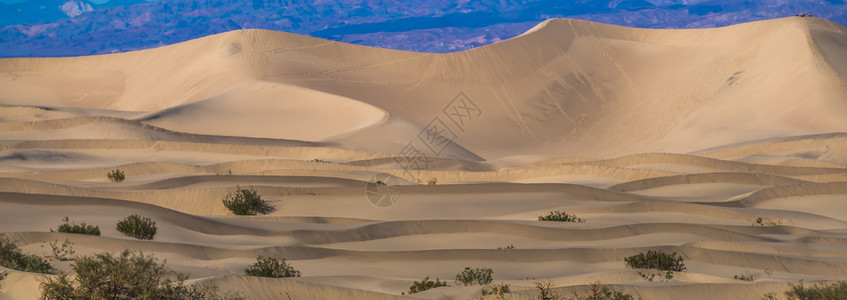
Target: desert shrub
[[12, 257], [560, 216], [246, 202], [819, 291], [472, 276], [321, 161], [80, 228], [659, 260], [748, 276], [61, 252], [126, 276], [509, 247], [139, 227], [432, 181], [116, 175], [271, 267], [545, 290], [598, 291], [425, 284], [499, 291]]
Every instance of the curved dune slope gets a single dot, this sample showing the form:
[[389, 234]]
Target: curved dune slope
[[725, 145]]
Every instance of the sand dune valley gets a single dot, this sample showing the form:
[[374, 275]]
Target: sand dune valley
[[727, 146]]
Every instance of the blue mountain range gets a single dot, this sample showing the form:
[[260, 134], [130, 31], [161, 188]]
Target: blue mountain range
[[84, 27]]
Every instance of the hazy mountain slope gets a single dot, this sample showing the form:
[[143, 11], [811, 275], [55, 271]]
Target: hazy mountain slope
[[38, 28]]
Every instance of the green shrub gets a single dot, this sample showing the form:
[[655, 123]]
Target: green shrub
[[127, 276], [472, 276], [271, 267], [560, 216], [246, 202], [432, 181], [12, 257], [425, 284], [82, 228], [499, 291], [598, 291], [820, 291], [116, 175], [63, 252], [659, 260], [139, 227]]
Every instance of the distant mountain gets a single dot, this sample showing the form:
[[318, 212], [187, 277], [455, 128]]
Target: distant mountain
[[67, 27], [41, 11]]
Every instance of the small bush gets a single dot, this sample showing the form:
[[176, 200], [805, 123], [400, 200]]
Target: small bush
[[545, 290], [478, 276], [271, 267], [767, 222], [432, 181], [509, 247], [62, 252], [425, 284], [748, 276], [659, 260], [598, 291], [127, 276], [12, 257], [139, 227], [116, 175], [499, 291], [560, 216], [82, 228], [246, 202]]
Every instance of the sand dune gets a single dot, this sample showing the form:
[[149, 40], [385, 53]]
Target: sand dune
[[725, 145]]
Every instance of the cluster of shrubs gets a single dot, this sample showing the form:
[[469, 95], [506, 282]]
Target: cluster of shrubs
[[425, 284], [13, 258], [116, 175], [750, 276], [596, 291], [819, 291], [81, 228], [475, 276], [134, 225], [560, 216], [246, 202], [271, 267], [129, 275], [665, 263], [468, 276]]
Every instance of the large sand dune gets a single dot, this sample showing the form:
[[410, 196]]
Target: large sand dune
[[676, 140]]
